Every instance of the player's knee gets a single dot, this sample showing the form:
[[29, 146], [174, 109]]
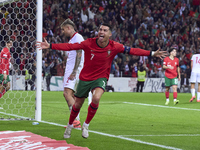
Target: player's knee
[[7, 88], [79, 103], [96, 99]]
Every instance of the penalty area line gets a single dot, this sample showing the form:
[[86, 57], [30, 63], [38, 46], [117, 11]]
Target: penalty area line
[[119, 137], [143, 104], [165, 135], [114, 136]]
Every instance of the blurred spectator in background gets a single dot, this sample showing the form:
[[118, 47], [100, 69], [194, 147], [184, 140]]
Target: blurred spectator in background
[[47, 73], [154, 72], [139, 23], [30, 75], [141, 75]]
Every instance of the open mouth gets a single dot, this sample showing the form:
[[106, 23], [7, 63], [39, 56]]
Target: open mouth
[[101, 37]]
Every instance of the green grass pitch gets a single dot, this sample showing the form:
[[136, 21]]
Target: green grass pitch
[[124, 121]]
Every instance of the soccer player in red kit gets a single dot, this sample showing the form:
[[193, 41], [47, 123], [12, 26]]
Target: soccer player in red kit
[[4, 68], [171, 66], [99, 53]]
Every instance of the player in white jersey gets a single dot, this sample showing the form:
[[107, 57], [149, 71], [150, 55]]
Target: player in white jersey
[[195, 76], [74, 65]]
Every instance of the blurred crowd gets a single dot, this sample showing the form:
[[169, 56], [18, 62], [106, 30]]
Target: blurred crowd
[[18, 23], [146, 24]]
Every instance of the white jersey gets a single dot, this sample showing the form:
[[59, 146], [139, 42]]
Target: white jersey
[[196, 63], [195, 74], [71, 59]]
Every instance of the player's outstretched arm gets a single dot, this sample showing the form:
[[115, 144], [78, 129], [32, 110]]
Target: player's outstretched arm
[[42, 45], [160, 54]]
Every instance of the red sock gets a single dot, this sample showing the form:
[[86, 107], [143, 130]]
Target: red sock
[[167, 94], [175, 95], [73, 114], [92, 109], [1, 94]]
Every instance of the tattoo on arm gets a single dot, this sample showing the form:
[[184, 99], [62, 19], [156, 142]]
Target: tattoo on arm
[[78, 60]]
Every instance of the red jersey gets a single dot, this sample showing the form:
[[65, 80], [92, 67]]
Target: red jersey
[[171, 73], [98, 60], [5, 60]]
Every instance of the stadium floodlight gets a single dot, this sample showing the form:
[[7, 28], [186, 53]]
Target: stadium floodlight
[[21, 21]]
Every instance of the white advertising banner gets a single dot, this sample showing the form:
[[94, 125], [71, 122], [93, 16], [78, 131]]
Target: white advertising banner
[[119, 84], [129, 84], [18, 83]]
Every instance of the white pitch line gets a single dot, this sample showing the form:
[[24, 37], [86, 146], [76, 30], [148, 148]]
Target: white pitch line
[[166, 135], [120, 137], [13, 115], [115, 136], [143, 104], [124, 138]]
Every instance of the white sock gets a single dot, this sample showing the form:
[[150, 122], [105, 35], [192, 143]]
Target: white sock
[[193, 92], [70, 125], [70, 108], [198, 95], [90, 98], [85, 124], [167, 100]]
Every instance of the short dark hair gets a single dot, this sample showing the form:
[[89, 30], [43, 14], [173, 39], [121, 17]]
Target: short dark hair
[[8, 41], [108, 25], [171, 49]]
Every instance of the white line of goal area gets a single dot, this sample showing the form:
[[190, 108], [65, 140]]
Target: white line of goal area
[[110, 135], [165, 135], [143, 104], [121, 137], [124, 137]]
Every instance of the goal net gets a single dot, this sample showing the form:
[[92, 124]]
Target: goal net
[[18, 23]]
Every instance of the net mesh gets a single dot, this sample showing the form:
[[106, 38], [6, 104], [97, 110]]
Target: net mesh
[[18, 23]]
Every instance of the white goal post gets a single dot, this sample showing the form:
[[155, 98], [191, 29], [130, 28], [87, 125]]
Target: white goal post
[[38, 108], [21, 22]]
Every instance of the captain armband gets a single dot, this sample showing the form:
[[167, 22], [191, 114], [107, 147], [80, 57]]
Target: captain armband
[[127, 50], [152, 53]]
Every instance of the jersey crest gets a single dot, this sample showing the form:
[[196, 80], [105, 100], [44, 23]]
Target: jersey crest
[[109, 51]]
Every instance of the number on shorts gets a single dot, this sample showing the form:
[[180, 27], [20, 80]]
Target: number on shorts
[[176, 81], [104, 84], [68, 80]]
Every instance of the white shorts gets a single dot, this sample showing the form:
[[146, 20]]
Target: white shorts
[[195, 77], [71, 84]]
